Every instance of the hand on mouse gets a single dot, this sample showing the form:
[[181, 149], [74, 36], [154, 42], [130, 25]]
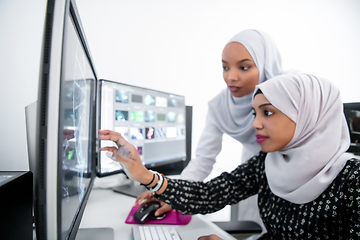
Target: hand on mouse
[[148, 196], [127, 155], [210, 237]]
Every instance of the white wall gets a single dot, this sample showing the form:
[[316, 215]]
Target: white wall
[[21, 27], [175, 46]]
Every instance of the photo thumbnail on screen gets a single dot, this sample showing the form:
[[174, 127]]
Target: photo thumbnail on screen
[[137, 116], [150, 133], [149, 116], [149, 100], [172, 102], [137, 98], [121, 115], [171, 117], [161, 117], [160, 132], [139, 150], [136, 133], [122, 96], [161, 102]]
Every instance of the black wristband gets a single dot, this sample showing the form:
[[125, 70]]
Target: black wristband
[[146, 185]]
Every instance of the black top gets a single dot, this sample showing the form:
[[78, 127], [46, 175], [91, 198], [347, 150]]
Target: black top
[[335, 214]]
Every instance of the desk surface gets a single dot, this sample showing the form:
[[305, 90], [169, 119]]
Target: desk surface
[[107, 209]]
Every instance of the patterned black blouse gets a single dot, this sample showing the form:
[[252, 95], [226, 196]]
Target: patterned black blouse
[[335, 214]]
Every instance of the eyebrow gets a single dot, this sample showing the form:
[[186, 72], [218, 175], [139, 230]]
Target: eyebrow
[[244, 60], [263, 105]]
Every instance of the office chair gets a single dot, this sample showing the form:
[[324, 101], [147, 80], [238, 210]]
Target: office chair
[[234, 226]]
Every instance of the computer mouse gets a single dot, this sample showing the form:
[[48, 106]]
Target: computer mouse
[[146, 212]]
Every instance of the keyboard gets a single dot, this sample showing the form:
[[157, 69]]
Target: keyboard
[[155, 233]]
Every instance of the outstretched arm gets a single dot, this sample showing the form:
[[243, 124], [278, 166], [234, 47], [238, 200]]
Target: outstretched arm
[[188, 197], [127, 155]]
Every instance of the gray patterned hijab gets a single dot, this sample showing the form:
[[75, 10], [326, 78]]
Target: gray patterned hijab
[[301, 171]]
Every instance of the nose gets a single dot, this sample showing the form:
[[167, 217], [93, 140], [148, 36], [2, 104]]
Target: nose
[[232, 75], [257, 123]]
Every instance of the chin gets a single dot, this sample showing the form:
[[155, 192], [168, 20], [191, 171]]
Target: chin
[[269, 149], [237, 94]]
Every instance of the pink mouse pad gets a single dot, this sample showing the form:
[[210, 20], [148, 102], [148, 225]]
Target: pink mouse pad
[[172, 217]]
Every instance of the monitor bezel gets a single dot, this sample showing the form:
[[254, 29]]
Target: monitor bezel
[[47, 187]]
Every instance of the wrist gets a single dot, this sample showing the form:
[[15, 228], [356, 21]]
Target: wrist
[[157, 182], [148, 179], [163, 188]]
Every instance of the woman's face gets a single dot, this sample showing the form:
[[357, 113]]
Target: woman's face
[[274, 130], [239, 70]]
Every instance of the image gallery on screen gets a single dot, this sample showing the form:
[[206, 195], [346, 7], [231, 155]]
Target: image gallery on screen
[[152, 121]]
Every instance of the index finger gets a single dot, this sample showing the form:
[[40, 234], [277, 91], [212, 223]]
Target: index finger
[[112, 136]]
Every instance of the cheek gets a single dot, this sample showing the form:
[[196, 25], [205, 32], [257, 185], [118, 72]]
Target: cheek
[[275, 129], [225, 74], [255, 75], [253, 78], [282, 132]]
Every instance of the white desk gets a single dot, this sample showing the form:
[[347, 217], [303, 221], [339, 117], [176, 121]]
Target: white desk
[[107, 209]]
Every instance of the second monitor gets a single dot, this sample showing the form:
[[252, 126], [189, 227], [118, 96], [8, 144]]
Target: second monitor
[[153, 121]]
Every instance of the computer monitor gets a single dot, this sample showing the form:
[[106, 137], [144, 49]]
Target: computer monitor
[[153, 121], [66, 125], [352, 115]]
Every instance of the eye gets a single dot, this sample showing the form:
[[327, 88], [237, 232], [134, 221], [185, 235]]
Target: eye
[[225, 68], [253, 113], [268, 113], [244, 68]]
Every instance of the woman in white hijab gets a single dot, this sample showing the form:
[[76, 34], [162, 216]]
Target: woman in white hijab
[[249, 58], [307, 185]]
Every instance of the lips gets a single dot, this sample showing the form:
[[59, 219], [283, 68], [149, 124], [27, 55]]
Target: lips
[[260, 138], [233, 89]]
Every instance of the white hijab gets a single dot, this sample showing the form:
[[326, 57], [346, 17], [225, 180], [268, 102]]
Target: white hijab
[[301, 171], [233, 115]]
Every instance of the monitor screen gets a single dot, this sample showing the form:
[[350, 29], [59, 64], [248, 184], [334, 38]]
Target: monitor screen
[[66, 123], [153, 121], [352, 115]]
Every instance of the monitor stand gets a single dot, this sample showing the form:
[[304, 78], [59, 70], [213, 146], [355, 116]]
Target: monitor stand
[[132, 189], [95, 233]]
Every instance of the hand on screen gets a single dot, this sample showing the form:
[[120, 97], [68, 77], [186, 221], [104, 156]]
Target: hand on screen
[[127, 155], [210, 237], [149, 196]]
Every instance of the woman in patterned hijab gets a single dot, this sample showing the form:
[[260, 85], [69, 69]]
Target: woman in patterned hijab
[[307, 185]]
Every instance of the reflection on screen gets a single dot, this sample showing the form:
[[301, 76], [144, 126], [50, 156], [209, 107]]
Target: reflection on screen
[[77, 85]]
